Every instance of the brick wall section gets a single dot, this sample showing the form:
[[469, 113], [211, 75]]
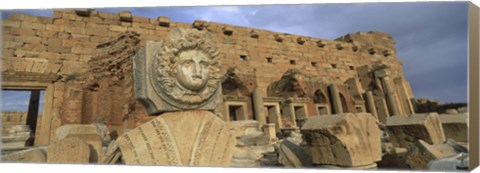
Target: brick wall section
[[63, 44], [58, 50]]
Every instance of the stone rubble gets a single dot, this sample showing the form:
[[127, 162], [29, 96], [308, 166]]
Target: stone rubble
[[254, 147]]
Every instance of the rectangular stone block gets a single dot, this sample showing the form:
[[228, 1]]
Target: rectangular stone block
[[116, 28], [11, 23], [87, 133], [75, 30], [69, 150], [33, 25], [348, 140], [94, 19], [82, 50], [49, 55], [404, 130], [11, 44], [455, 126], [35, 47], [24, 53], [139, 19], [106, 15], [54, 27], [42, 33]]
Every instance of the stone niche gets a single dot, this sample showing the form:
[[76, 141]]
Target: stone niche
[[295, 112], [236, 108], [271, 108], [404, 131], [346, 140]]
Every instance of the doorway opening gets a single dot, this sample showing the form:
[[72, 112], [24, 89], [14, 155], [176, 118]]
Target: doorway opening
[[21, 116]]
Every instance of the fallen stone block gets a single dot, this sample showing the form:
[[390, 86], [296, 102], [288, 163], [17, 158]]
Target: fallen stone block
[[346, 140], [33, 155], [405, 131], [88, 133], [395, 159], [455, 126], [423, 153], [292, 155], [69, 150]]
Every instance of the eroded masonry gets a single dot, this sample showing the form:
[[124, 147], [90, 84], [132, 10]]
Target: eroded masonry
[[287, 99]]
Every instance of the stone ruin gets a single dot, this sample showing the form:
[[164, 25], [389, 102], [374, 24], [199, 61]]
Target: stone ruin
[[125, 89]]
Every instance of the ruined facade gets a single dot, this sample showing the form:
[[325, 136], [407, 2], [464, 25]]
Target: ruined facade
[[83, 61]]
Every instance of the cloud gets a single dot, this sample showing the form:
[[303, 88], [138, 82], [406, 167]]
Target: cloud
[[18, 100]]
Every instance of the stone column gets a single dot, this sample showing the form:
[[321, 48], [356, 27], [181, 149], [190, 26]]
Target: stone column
[[258, 107], [33, 110], [335, 99], [390, 94], [371, 104]]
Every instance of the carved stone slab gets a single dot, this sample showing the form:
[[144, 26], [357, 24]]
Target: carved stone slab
[[347, 140], [187, 138], [179, 73], [404, 131]]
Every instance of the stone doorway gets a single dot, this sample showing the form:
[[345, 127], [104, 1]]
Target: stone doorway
[[21, 115]]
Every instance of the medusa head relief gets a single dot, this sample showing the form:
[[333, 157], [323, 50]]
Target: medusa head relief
[[186, 70]]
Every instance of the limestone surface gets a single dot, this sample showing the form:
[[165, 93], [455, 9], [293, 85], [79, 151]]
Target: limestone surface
[[404, 131], [88, 133], [69, 150], [348, 140], [455, 126], [188, 138], [33, 155]]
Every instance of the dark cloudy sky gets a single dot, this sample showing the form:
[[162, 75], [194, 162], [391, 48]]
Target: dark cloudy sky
[[431, 37]]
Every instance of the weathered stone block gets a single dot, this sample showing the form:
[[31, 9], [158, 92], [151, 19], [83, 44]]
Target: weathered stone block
[[349, 140], [292, 155], [163, 21], [82, 50], [455, 126], [87, 133], [227, 30], [33, 25], [197, 138], [419, 155], [404, 131], [53, 27], [126, 16], [200, 24], [68, 150], [116, 28], [45, 33], [33, 155], [11, 23]]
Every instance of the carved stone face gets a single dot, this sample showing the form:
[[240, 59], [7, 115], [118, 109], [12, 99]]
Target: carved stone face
[[192, 69]]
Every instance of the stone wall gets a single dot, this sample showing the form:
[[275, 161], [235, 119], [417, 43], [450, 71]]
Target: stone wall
[[78, 58]]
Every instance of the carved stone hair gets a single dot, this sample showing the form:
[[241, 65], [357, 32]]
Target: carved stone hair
[[177, 41]]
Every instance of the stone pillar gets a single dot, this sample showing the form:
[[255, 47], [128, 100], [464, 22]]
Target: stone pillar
[[33, 110], [390, 95], [335, 99], [371, 104], [258, 107]]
